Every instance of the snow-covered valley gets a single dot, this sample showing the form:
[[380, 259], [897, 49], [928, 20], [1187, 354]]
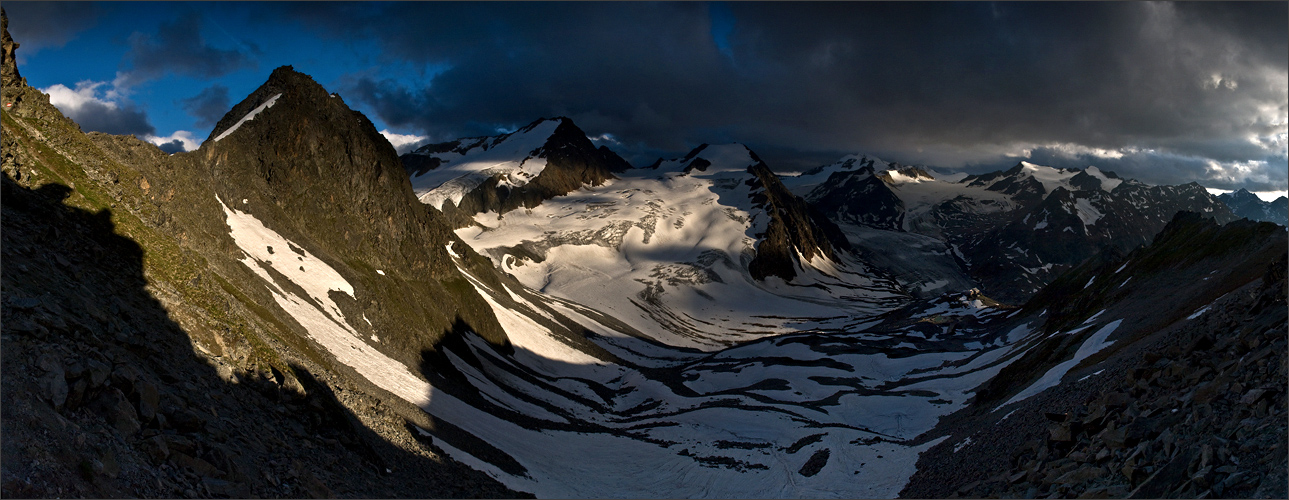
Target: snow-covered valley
[[809, 413]]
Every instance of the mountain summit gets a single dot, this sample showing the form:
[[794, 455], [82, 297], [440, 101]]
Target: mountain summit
[[1013, 231], [544, 159], [1248, 205]]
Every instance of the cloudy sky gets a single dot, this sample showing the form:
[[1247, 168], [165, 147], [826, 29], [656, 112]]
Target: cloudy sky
[[1164, 93]]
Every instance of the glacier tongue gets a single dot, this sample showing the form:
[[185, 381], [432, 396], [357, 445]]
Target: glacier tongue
[[743, 422], [666, 252]]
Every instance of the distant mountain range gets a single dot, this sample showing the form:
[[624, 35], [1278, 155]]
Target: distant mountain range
[[1245, 204], [294, 310]]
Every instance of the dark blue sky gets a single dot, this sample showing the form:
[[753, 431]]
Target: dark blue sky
[[1165, 93]]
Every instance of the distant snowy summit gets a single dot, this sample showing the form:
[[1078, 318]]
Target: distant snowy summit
[[1248, 205], [544, 159], [1012, 230]]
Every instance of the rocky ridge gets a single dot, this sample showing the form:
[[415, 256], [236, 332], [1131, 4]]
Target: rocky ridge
[[1014, 231], [1187, 402], [1245, 204], [143, 359]]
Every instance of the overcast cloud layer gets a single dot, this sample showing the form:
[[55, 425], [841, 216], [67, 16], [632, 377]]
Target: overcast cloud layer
[[1165, 93]]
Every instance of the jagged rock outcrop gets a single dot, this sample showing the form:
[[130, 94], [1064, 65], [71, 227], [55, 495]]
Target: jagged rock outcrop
[[796, 230], [8, 63]]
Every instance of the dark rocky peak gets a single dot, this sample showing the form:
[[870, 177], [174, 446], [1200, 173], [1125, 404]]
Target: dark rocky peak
[[1024, 189], [654, 166], [1013, 180], [847, 164], [725, 157], [572, 161], [1248, 205], [283, 83], [569, 144], [1084, 181], [859, 197], [1239, 196], [1015, 171], [795, 227], [694, 152], [293, 133], [699, 164], [987, 178], [331, 175]]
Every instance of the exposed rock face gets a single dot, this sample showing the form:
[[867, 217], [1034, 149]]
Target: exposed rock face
[[8, 64], [859, 197], [164, 366], [1188, 402], [1245, 204], [795, 228]]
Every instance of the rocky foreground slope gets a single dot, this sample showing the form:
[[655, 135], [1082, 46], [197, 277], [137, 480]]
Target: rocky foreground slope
[[144, 355], [1187, 401]]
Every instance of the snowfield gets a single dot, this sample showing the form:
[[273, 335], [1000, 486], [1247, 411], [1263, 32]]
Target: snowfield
[[666, 252], [809, 405], [513, 156]]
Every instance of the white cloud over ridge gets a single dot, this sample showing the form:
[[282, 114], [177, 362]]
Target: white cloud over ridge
[[98, 107], [181, 140], [404, 142]]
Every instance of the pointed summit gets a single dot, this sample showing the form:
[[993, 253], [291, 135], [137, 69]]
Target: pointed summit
[[1248, 205], [546, 158]]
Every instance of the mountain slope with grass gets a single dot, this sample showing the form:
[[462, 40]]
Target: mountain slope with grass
[[146, 355]]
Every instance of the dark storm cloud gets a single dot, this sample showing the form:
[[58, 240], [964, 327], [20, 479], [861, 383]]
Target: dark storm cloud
[[946, 84], [38, 25], [172, 147], [179, 48], [97, 116], [644, 70], [208, 106]]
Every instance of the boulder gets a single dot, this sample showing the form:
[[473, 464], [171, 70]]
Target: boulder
[[113, 406]]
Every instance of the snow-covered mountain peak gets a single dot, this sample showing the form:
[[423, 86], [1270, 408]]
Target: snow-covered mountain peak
[[903, 174], [1109, 180], [467, 163], [1050, 178], [506, 171], [711, 160]]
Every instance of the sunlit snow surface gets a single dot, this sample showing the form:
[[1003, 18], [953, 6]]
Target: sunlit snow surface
[[666, 252], [722, 386], [511, 156]]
